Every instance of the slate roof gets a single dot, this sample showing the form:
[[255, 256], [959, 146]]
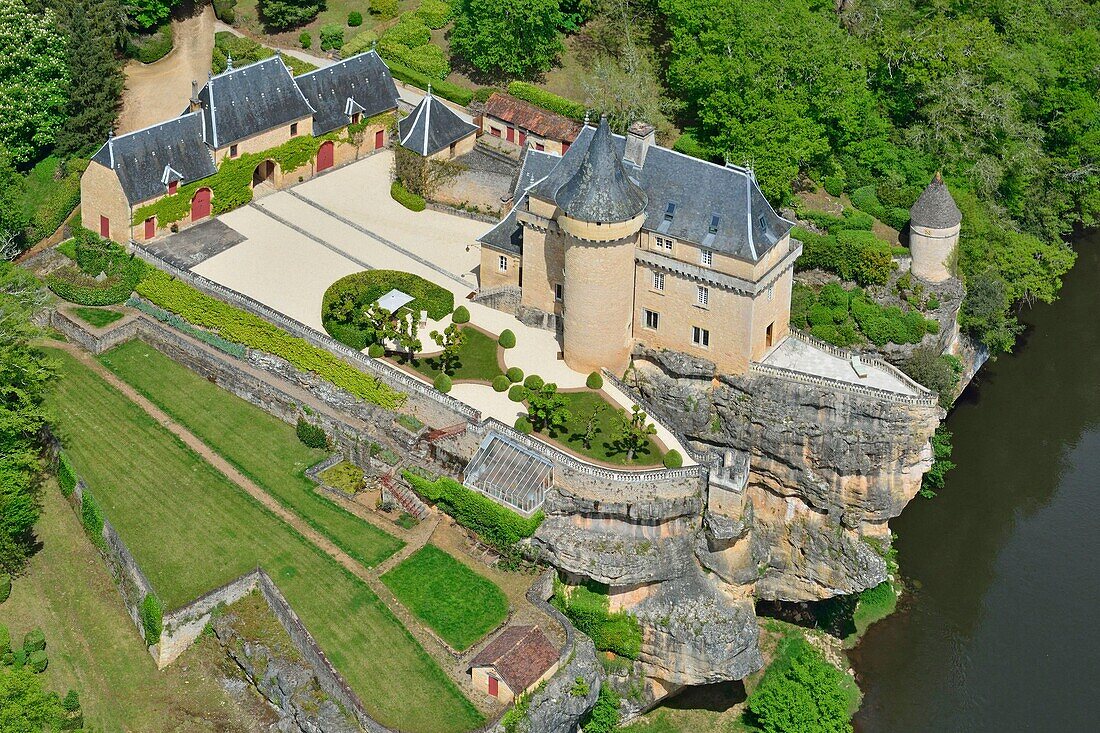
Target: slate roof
[[520, 655], [529, 117], [935, 208], [432, 126], [246, 101], [599, 190], [703, 196], [507, 235], [146, 160], [364, 79]]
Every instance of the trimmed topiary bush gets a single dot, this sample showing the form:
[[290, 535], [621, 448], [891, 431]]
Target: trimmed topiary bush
[[91, 517], [152, 618], [5, 591], [34, 641], [223, 11], [594, 381], [514, 374], [442, 383], [524, 425], [434, 13], [376, 351], [501, 383], [834, 185], [305, 40], [311, 435], [507, 339], [385, 8], [409, 200], [37, 662], [518, 393], [533, 382], [673, 459], [355, 19], [461, 315], [360, 42]]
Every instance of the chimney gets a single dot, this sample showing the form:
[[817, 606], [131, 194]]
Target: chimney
[[639, 138], [195, 104]]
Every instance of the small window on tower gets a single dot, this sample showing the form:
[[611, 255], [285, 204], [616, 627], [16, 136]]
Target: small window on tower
[[652, 318], [658, 281], [700, 336], [706, 258], [502, 263], [559, 292], [702, 296]]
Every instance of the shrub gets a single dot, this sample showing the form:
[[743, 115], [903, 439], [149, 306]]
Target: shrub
[[305, 40], [409, 31], [594, 381], [37, 661], [524, 425], [800, 690], [152, 618], [518, 393], [461, 315], [355, 19], [442, 383], [501, 383], [360, 42], [5, 592], [376, 351], [311, 435], [34, 641], [173, 320], [224, 11], [152, 47], [507, 339], [91, 516], [401, 71], [427, 60], [547, 100], [852, 254], [66, 475], [604, 715], [673, 459], [496, 525], [514, 374], [5, 645], [434, 13], [688, 144], [332, 37], [587, 607], [533, 382], [410, 201], [938, 372], [71, 702], [834, 185], [932, 303], [385, 8]]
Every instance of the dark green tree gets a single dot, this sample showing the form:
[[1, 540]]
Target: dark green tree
[[92, 28], [283, 14], [800, 693], [12, 220], [25, 706], [508, 39], [546, 408]]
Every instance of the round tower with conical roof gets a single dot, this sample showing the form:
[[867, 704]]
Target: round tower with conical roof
[[934, 224], [600, 212]]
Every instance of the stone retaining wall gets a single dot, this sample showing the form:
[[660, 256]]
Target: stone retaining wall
[[506, 298], [183, 626], [94, 340]]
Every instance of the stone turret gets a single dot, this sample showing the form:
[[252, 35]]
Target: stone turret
[[934, 224], [600, 212]]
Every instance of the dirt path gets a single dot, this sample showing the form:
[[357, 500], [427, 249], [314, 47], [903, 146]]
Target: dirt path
[[159, 91]]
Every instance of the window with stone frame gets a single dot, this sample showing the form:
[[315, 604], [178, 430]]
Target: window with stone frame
[[658, 281], [652, 319], [502, 263], [700, 337], [702, 296], [706, 258]]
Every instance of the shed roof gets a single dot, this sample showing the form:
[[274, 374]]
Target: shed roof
[[529, 117], [520, 655], [146, 160], [432, 126], [935, 208], [600, 190], [246, 101], [363, 79]]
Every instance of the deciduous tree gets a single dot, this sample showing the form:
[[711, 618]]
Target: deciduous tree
[[451, 340], [516, 39], [546, 408], [634, 431]]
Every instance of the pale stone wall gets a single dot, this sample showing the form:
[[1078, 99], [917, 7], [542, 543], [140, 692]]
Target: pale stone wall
[[543, 265], [461, 147], [267, 139], [101, 194], [500, 141], [599, 295], [480, 677], [772, 307], [490, 274], [933, 252]]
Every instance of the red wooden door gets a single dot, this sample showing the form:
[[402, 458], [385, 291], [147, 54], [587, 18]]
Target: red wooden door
[[522, 138], [493, 687], [104, 227], [325, 155], [200, 204], [511, 134], [150, 227], [379, 139]]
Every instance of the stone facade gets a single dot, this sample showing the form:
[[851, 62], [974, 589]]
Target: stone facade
[[934, 252], [102, 197]]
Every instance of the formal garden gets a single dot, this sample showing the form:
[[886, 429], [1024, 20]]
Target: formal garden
[[191, 530]]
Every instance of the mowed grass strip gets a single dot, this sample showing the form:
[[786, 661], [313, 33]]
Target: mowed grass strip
[[457, 603], [262, 447], [191, 530]]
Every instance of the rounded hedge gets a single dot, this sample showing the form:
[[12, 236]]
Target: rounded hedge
[[834, 185], [443, 383], [355, 19], [518, 393], [37, 662], [673, 459], [305, 40], [533, 382], [594, 381], [5, 586], [515, 375], [410, 201], [461, 315], [501, 383], [352, 294], [507, 339], [434, 13], [376, 351], [34, 641], [523, 425]]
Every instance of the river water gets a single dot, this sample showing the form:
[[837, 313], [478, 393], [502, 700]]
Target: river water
[[1002, 631]]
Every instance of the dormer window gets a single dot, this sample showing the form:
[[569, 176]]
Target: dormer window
[[763, 223], [713, 229], [706, 258], [172, 186], [670, 211], [355, 118]]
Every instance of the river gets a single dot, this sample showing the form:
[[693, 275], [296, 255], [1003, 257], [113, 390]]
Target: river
[[1001, 630]]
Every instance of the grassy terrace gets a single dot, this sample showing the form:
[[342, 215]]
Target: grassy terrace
[[605, 445], [477, 359], [457, 603], [191, 530], [259, 445], [98, 317]]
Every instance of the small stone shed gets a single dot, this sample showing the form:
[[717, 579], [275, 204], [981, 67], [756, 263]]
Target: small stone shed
[[516, 661]]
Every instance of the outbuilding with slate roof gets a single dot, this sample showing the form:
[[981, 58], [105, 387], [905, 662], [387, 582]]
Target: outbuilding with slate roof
[[434, 130], [934, 225], [348, 92], [516, 661]]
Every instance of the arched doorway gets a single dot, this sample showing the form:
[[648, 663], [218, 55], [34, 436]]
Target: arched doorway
[[325, 155], [200, 204], [263, 178]]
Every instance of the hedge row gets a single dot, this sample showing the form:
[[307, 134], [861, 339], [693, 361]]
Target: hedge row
[[179, 324], [849, 219], [434, 13], [68, 285], [406, 198], [151, 47], [457, 94], [496, 525], [66, 475], [546, 100], [91, 516], [851, 254], [865, 199], [252, 331], [54, 207]]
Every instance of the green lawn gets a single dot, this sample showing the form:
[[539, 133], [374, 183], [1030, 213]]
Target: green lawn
[[259, 445], [457, 603], [98, 317], [477, 359], [604, 445], [191, 530]]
